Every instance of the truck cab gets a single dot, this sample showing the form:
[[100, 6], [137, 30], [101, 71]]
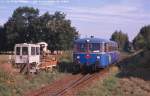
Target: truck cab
[[27, 54]]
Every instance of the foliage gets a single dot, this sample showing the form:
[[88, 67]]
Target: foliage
[[142, 40], [2, 38], [108, 87], [122, 40], [25, 25], [17, 85]]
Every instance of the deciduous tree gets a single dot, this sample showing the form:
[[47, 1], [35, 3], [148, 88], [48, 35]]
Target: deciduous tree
[[122, 40]]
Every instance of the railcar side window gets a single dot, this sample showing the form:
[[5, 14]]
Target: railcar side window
[[32, 50], [24, 50], [106, 47], [37, 51], [17, 50], [101, 47]]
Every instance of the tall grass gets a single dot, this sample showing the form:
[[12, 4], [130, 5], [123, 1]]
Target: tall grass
[[107, 87], [66, 56], [17, 85], [4, 58]]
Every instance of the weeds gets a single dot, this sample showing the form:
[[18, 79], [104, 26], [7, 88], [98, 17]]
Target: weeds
[[3, 59], [19, 84], [107, 87], [67, 56]]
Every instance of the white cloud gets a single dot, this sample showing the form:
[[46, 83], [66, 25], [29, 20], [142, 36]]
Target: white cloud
[[17, 1], [39, 2], [126, 16], [109, 13]]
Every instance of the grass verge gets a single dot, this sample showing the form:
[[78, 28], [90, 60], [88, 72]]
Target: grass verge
[[17, 85], [106, 87]]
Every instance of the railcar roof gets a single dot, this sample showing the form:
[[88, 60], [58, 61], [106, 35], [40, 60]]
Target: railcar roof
[[26, 44], [92, 40]]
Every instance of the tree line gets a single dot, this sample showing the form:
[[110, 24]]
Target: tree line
[[26, 25], [141, 41], [122, 40]]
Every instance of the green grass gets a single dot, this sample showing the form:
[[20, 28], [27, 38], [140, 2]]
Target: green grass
[[137, 66], [17, 85], [107, 87], [3, 58], [66, 56], [139, 61], [111, 86]]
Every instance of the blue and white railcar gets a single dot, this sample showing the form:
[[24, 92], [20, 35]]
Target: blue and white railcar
[[95, 52]]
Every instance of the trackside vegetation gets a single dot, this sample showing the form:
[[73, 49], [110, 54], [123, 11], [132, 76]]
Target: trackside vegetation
[[17, 85], [27, 26], [106, 87]]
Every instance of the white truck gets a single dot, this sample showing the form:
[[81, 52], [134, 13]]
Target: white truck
[[32, 57], [27, 54]]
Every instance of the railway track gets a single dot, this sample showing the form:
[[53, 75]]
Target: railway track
[[83, 81], [70, 87], [54, 87], [75, 82]]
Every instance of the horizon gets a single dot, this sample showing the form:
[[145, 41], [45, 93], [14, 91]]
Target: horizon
[[91, 18]]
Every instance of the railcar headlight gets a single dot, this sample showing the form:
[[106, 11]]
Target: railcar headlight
[[98, 57], [87, 40], [78, 57]]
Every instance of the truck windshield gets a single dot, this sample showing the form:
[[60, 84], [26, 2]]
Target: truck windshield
[[17, 50], [24, 50]]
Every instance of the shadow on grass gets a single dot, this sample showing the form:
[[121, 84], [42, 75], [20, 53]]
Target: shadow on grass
[[135, 66], [65, 66]]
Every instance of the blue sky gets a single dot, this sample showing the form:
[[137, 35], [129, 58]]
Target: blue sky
[[90, 17]]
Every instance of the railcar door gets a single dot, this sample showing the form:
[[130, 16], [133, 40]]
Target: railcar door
[[24, 55], [34, 55], [18, 54]]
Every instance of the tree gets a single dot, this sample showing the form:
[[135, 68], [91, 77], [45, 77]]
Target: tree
[[122, 40], [2, 38], [142, 40], [58, 32], [20, 27], [26, 26]]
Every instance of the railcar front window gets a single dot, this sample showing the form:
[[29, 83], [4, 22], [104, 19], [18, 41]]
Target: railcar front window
[[94, 47], [81, 47], [32, 50], [37, 51], [17, 50], [24, 50]]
